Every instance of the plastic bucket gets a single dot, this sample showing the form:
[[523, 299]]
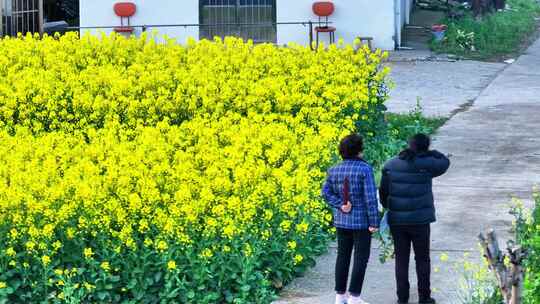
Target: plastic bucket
[[438, 35]]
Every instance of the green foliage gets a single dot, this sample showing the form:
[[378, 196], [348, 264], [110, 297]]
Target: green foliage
[[493, 35], [477, 284], [398, 129], [530, 238]]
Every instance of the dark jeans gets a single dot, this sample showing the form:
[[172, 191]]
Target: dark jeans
[[360, 240], [419, 236]]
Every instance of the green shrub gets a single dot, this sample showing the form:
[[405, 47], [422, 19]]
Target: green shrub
[[530, 238], [493, 35], [477, 284], [394, 132]]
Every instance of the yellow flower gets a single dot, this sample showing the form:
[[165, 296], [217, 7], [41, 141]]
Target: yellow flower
[[507, 261], [226, 136], [88, 286], [57, 245], [207, 253], [70, 232], [285, 225], [444, 257], [292, 245], [248, 251], [88, 253], [30, 245], [171, 265], [162, 246], [13, 233], [105, 266], [302, 227], [3, 285], [11, 252], [46, 260]]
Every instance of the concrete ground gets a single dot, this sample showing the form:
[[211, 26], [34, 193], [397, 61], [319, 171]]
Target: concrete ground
[[441, 86], [495, 152]]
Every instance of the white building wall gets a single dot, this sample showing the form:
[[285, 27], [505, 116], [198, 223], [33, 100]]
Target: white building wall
[[156, 12], [352, 18]]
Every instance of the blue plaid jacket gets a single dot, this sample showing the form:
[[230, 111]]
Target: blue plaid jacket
[[362, 194]]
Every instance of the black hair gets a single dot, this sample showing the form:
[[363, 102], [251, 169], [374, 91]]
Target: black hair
[[351, 146], [419, 143]]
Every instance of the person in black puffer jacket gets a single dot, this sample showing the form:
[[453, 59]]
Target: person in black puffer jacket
[[406, 192]]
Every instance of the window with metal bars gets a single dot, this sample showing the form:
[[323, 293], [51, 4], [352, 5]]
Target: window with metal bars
[[248, 19], [21, 16]]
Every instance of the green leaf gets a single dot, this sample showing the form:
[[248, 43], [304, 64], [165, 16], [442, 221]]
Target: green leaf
[[246, 288], [102, 295], [174, 293], [132, 283], [158, 276]]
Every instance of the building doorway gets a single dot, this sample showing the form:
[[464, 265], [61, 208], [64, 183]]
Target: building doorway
[[248, 19], [61, 10]]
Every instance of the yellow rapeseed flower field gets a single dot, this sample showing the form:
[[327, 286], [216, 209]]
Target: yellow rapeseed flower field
[[141, 172]]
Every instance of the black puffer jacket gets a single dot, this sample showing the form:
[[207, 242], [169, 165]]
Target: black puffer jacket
[[406, 187]]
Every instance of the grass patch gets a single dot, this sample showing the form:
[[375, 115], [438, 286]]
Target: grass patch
[[492, 37], [412, 123], [400, 128]]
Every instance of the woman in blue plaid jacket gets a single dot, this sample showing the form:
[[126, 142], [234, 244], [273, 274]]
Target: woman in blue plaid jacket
[[351, 192]]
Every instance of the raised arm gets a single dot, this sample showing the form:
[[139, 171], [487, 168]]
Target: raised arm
[[440, 163], [370, 197]]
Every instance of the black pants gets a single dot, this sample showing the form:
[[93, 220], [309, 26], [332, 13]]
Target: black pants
[[360, 240], [419, 236]]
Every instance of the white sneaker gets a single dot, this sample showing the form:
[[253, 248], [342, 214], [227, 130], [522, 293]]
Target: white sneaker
[[341, 299], [356, 300]]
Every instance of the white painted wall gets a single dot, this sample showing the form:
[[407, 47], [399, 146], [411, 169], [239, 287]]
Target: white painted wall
[[352, 18], [101, 13]]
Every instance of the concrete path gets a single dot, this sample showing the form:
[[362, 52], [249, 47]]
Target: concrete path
[[495, 148], [441, 86]]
